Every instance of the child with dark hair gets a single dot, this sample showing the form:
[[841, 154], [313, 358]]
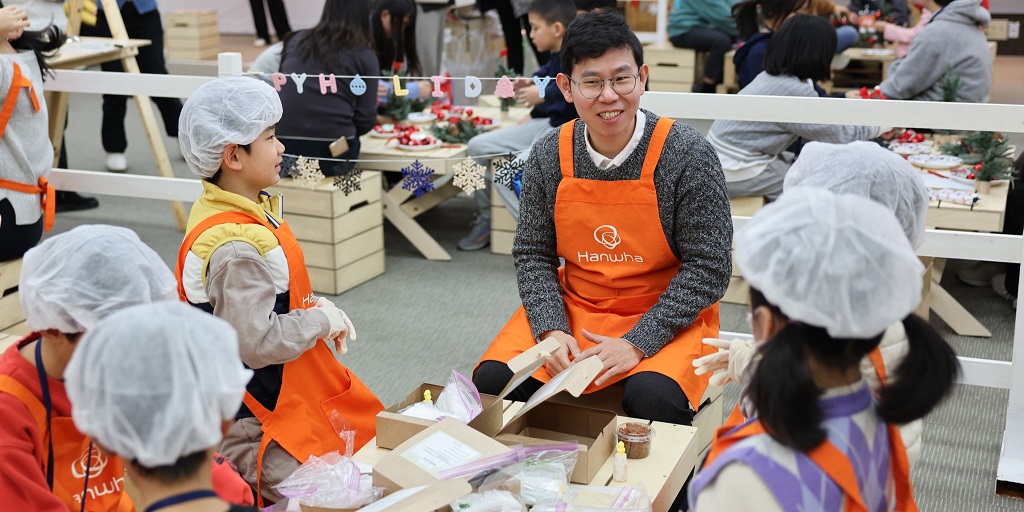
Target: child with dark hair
[[394, 36], [824, 288], [754, 155], [26, 155], [953, 38], [636, 206], [583, 6], [706, 26], [756, 22], [548, 22]]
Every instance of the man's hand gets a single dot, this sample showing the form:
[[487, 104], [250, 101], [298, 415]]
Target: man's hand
[[618, 355], [562, 358], [530, 95], [13, 22]]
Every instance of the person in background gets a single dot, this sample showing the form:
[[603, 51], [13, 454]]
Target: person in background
[[828, 274], [548, 22], [755, 155], [430, 24], [899, 11], [513, 17], [902, 36], [278, 16], [156, 385], [952, 39], [636, 206], [339, 44], [583, 6], [240, 261], [68, 284], [706, 26], [142, 21], [756, 23]]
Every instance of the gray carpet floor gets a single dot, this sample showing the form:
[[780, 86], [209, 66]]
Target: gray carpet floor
[[420, 320]]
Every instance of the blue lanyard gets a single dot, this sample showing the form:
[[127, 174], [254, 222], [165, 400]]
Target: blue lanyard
[[45, 385], [178, 499]]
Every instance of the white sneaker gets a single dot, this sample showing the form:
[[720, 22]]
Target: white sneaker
[[116, 162], [259, 43]]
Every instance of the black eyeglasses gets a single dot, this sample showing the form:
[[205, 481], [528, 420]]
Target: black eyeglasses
[[592, 87]]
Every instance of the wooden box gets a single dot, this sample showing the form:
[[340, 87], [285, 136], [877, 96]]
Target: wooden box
[[192, 35], [673, 69], [503, 224], [342, 236], [11, 314]]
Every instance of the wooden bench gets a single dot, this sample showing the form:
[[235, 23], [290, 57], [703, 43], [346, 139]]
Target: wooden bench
[[342, 236], [673, 69], [12, 318]]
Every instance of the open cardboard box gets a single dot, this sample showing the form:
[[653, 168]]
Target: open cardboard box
[[393, 429], [446, 444], [541, 422]]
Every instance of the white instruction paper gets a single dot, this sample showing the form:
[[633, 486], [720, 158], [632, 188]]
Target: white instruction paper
[[440, 451]]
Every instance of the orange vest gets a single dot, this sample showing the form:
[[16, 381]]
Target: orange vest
[[617, 263], [47, 200], [79, 473], [315, 385]]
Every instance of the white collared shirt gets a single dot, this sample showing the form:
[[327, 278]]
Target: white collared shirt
[[604, 163]]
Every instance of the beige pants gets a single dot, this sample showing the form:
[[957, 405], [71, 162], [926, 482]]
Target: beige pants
[[242, 445]]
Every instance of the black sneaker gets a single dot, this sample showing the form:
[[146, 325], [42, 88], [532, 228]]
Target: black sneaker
[[71, 201]]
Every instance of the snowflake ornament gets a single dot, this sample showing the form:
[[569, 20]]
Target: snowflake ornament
[[417, 178], [509, 173], [349, 182], [469, 175], [308, 173], [288, 166]]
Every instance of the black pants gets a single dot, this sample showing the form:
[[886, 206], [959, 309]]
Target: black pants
[[278, 16], [715, 42], [648, 395], [15, 240], [150, 59]]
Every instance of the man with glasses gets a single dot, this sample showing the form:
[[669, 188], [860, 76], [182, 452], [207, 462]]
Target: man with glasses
[[637, 208]]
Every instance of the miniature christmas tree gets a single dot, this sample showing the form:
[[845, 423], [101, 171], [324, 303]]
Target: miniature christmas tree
[[951, 85], [987, 151]]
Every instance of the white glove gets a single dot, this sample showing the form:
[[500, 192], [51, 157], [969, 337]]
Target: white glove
[[341, 326], [729, 362]]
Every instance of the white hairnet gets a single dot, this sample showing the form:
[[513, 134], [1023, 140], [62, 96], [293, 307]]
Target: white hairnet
[[867, 170], [154, 382], [73, 280], [232, 110], [840, 262]]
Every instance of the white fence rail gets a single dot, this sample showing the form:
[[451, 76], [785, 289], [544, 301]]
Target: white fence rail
[[940, 244]]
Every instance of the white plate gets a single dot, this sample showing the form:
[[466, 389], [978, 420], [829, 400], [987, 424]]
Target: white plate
[[421, 148], [421, 117], [910, 148], [966, 181], [935, 161], [375, 133]]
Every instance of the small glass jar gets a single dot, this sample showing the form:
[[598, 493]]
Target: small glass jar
[[637, 437]]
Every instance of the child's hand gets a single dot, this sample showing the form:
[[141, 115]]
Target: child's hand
[[521, 83], [13, 22], [341, 326], [530, 95]]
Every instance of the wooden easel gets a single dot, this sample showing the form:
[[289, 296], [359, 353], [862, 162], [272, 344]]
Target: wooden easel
[[58, 112]]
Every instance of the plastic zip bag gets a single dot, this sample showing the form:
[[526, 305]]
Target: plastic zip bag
[[594, 498], [459, 399], [329, 481], [488, 501]]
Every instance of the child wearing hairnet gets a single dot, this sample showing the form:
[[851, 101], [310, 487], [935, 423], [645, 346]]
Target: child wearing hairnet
[[867, 170], [829, 274], [241, 262], [157, 384], [67, 285]]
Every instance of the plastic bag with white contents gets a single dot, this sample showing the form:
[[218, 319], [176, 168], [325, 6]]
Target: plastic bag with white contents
[[460, 399], [488, 501], [543, 474], [595, 498], [329, 481]]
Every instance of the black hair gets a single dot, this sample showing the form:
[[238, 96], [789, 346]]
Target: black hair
[[343, 25], [554, 11], [187, 466], [803, 47], [401, 46], [43, 43], [750, 14], [788, 407], [593, 33], [943, 3], [590, 5]]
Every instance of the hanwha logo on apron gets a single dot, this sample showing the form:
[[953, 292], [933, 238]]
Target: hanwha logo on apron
[[92, 462], [607, 236]]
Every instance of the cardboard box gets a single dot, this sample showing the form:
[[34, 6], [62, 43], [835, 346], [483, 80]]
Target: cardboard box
[[540, 422], [425, 497], [393, 429], [446, 444]]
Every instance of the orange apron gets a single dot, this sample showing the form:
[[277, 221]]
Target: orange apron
[[314, 385], [836, 465], [46, 194], [78, 473], [617, 263]]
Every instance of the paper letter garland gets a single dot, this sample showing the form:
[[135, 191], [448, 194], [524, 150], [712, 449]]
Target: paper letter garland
[[541, 82], [398, 87], [504, 88], [279, 80], [357, 86], [328, 83], [473, 87], [300, 80], [469, 176]]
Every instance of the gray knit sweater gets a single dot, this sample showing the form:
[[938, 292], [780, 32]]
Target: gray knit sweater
[[694, 210], [954, 38], [25, 150]]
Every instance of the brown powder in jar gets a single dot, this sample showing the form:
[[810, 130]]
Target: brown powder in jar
[[637, 439]]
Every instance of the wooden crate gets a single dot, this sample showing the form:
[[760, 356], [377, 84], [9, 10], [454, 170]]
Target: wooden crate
[[332, 231], [337, 281], [673, 69], [192, 35], [503, 224], [10, 306], [341, 254], [324, 200]]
